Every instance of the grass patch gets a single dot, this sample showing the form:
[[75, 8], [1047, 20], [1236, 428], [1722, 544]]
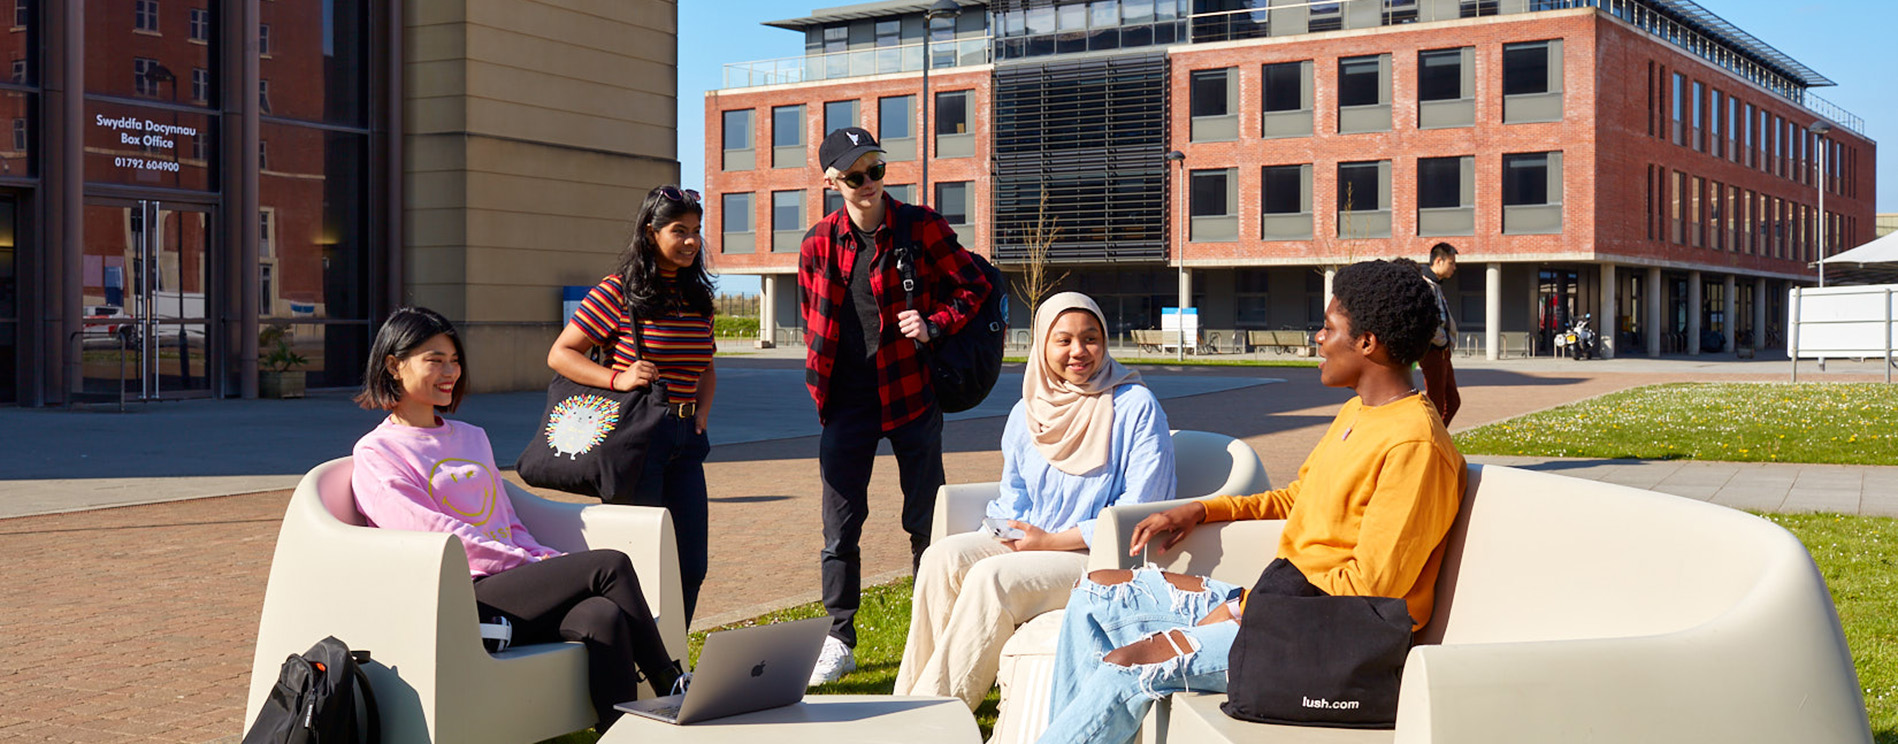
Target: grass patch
[[1197, 362], [1859, 558], [1838, 423]]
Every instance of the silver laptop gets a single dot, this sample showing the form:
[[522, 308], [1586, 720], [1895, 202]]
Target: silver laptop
[[743, 670]]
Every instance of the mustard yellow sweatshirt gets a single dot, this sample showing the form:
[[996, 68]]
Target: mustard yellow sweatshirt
[[1371, 505]]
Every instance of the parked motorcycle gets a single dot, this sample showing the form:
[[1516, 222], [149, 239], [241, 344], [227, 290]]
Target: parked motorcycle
[[1578, 341]]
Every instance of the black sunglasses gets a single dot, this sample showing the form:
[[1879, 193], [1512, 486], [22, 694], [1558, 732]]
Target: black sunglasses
[[674, 193], [855, 179]]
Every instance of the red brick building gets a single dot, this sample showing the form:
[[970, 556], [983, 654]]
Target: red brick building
[[1640, 160]]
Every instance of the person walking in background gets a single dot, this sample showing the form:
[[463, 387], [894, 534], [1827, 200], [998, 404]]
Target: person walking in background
[[662, 285], [864, 331], [1087, 434], [420, 471], [1439, 376]]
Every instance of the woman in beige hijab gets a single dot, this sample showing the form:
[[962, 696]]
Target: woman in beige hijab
[[1087, 435]]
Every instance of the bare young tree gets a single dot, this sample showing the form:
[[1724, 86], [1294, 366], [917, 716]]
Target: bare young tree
[[1037, 280]]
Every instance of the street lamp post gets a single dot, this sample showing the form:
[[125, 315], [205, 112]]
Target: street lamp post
[[941, 9], [1179, 251], [1821, 128]]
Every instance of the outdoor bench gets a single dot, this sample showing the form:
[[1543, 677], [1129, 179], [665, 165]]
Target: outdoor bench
[[1284, 341]]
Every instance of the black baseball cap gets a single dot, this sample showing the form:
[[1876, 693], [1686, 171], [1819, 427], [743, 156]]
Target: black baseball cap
[[843, 146]]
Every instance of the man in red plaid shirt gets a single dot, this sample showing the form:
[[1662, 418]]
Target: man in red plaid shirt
[[865, 331]]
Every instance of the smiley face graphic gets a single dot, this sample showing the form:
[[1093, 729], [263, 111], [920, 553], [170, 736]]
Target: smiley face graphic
[[464, 487]]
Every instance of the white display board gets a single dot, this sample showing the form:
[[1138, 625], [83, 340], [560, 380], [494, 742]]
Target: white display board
[[1842, 322], [1171, 332]]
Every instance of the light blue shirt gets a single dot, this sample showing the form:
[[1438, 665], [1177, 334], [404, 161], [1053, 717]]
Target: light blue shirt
[[1139, 469]]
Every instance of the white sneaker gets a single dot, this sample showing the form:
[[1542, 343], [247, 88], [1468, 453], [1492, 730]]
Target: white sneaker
[[833, 662]]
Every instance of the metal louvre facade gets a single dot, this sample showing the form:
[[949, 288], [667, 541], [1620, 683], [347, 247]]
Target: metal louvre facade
[[1092, 134]]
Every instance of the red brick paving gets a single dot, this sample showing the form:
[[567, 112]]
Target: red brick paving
[[136, 624]]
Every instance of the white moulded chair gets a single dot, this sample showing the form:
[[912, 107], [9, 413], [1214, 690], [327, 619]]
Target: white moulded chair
[[406, 597], [1570, 610], [1206, 464]]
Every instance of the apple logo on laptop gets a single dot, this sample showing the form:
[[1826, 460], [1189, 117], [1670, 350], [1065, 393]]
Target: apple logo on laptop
[[758, 671]]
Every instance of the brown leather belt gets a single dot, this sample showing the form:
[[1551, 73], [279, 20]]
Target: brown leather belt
[[687, 409]]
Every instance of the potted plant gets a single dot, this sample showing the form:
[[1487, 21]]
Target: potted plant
[[276, 379]]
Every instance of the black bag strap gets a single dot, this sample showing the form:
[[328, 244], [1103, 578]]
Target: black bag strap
[[628, 318], [368, 696]]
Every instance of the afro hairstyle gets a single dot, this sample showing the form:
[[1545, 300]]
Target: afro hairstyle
[[1390, 300]]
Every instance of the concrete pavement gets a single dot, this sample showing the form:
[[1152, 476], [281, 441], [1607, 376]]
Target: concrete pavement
[[136, 623]]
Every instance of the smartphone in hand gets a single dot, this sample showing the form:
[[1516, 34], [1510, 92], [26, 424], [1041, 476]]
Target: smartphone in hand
[[999, 529]]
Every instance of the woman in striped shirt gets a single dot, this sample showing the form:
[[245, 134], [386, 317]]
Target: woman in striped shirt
[[661, 284]]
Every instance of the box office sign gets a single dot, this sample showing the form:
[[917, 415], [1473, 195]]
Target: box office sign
[[139, 146]]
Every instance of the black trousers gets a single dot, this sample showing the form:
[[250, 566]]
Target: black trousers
[[675, 479], [844, 459], [591, 597]]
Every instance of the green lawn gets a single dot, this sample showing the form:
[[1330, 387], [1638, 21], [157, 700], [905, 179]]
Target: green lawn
[[1843, 423]]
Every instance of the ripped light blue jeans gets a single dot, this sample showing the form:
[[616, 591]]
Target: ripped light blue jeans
[[1094, 701]]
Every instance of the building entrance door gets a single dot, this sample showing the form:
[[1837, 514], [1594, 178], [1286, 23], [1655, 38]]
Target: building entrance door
[[146, 294], [10, 236]]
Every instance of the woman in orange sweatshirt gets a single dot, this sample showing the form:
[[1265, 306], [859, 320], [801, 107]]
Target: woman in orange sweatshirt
[[1366, 517]]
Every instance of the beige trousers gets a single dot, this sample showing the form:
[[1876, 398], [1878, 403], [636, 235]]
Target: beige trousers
[[971, 594]]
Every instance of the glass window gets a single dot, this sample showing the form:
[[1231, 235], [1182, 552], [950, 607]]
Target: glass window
[[1526, 180], [738, 130], [952, 201], [200, 85], [263, 39], [145, 15], [323, 73], [889, 35], [146, 74], [1210, 193], [1526, 68], [787, 210], [903, 192], [833, 201], [1440, 183], [22, 13], [200, 24], [19, 136], [737, 212], [952, 112], [840, 114], [1325, 16], [1680, 106], [787, 126], [19, 71], [1358, 187], [1358, 82], [1210, 92], [896, 117], [1282, 189], [1440, 74], [315, 191], [263, 95], [1285, 86]]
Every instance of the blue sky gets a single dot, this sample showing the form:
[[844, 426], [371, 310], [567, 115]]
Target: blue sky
[[1845, 40]]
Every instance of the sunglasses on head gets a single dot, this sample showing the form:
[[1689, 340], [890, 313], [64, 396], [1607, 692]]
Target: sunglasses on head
[[676, 194], [855, 179]]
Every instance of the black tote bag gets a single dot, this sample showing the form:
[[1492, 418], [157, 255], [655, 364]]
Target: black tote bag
[[1307, 658], [593, 441]]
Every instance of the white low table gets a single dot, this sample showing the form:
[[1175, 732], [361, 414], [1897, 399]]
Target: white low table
[[820, 719]]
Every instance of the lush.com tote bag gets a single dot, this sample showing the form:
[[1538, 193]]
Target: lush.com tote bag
[[593, 441], [1305, 657]]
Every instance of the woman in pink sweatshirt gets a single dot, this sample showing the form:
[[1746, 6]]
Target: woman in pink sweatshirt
[[419, 471]]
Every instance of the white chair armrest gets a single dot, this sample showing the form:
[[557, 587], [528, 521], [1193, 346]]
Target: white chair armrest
[[1229, 551], [960, 508], [643, 533]]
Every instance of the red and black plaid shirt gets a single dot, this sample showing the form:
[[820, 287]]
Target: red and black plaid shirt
[[950, 289]]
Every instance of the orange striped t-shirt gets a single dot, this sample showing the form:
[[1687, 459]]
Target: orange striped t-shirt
[[679, 344]]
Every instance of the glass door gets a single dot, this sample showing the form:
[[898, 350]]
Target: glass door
[[9, 296], [144, 295]]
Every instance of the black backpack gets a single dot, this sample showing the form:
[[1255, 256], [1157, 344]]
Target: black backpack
[[315, 700], [964, 365]]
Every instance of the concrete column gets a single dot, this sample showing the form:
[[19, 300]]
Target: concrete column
[[1652, 328], [1492, 310], [1759, 312], [1607, 325], [1729, 324], [768, 310], [1693, 313], [1331, 272]]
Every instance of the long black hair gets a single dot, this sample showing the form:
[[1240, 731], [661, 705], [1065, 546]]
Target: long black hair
[[406, 330], [638, 271]]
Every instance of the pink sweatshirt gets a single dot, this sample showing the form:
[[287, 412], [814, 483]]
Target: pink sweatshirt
[[442, 479]]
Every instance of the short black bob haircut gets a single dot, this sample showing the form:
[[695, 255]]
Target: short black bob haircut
[[405, 331], [1390, 300], [1442, 251]]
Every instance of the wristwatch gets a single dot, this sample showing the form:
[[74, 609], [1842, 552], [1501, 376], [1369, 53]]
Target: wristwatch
[[935, 331]]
